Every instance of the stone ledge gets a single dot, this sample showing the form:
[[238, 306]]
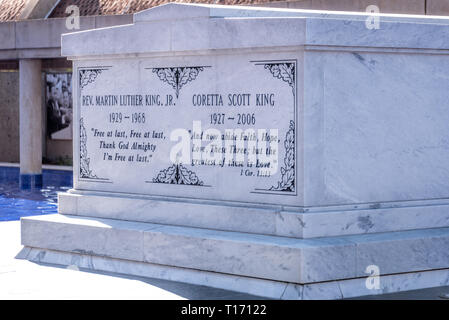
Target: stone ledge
[[183, 28], [341, 289], [268, 220], [41, 38], [242, 254]]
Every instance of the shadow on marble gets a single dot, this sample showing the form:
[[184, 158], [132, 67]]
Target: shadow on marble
[[185, 290]]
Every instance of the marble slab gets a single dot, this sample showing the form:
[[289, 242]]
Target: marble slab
[[120, 239], [351, 174], [182, 28], [375, 127], [220, 127], [376, 219], [259, 219], [244, 254], [359, 119], [339, 289], [202, 214]]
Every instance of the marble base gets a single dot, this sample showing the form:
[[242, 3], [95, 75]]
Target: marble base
[[279, 220], [339, 289], [292, 260]]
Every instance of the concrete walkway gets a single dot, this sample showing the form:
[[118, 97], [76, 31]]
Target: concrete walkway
[[21, 279]]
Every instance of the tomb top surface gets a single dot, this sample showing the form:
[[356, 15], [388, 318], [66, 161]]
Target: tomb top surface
[[174, 11], [186, 27]]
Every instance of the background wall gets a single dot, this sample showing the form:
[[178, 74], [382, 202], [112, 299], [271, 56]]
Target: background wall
[[58, 152], [9, 116], [54, 151]]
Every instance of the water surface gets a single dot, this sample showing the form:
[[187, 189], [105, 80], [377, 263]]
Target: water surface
[[16, 203]]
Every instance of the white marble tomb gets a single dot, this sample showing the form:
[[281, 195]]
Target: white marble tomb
[[316, 148]]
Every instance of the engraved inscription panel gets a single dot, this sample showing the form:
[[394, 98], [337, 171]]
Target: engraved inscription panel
[[221, 128]]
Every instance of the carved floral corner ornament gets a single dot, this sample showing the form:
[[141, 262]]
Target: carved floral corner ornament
[[286, 71], [287, 182], [85, 171], [87, 76], [178, 174], [177, 77]]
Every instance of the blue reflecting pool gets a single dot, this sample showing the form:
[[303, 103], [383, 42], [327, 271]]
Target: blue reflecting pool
[[16, 203]]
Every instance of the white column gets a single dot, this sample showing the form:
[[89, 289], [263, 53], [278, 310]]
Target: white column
[[30, 93]]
